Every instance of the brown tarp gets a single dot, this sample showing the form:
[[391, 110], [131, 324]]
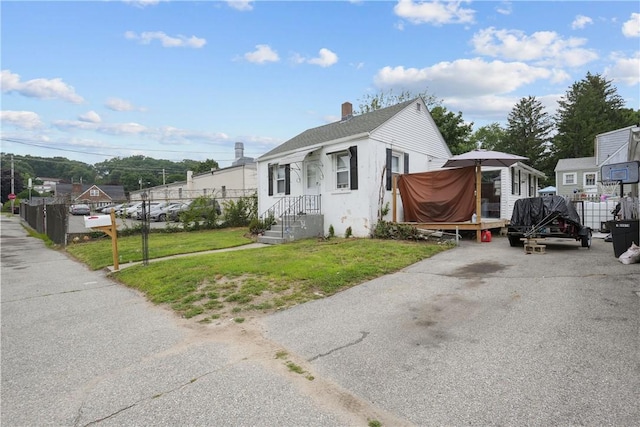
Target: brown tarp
[[440, 196]]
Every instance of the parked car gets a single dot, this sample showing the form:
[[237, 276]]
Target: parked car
[[111, 208], [80, 209], [128, 210], [173, 214], [150, 206], [162, 214]]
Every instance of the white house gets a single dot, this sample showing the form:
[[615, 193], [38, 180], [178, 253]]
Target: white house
[[339, 170]]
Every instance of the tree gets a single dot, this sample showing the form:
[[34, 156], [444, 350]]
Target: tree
[[528, 133], [205, 166], [454, 130], [590, 107], [488, 137], [383, 99]]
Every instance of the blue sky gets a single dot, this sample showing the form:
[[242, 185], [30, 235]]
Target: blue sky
[[186, 80]]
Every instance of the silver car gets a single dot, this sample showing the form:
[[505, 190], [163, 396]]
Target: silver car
[[80, 209]]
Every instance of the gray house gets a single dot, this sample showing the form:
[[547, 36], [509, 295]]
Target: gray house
[[579, 178]]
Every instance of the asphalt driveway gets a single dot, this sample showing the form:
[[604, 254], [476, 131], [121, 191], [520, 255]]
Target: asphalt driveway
[[479, 335]]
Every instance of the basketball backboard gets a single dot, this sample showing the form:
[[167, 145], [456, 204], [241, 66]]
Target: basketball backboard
[[624, 173]]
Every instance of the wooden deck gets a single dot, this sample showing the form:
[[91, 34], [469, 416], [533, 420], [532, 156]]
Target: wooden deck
[[484, 224]]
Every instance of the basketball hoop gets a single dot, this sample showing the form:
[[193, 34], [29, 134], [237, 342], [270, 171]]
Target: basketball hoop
[[609, 188]]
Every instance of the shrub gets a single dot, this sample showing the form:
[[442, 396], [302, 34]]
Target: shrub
[[389, 230], [332, 232], [348, 232], [242, 212]]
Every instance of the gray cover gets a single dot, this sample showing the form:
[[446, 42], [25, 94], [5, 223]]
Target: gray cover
[[534, 210]]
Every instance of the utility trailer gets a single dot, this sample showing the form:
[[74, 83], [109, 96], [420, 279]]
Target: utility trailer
[[548, 216]]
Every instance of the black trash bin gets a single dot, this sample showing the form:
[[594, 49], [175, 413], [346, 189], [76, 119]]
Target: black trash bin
[[623, 234]]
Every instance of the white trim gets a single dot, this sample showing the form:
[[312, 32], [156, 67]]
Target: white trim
[[566, 174]]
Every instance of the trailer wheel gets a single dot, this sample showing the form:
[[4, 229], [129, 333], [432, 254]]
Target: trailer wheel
[[586, 240], [515, 241]]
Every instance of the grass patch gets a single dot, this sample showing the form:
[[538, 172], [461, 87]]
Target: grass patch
[[271, 278], [97, 254]]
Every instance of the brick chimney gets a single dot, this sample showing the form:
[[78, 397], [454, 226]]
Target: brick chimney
[[347, 111], [76, 189]]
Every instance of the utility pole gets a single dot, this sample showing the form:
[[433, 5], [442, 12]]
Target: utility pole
[[12, 185], [164, 181]]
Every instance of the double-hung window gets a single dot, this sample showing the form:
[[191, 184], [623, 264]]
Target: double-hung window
[[342, 170], [280, 179]]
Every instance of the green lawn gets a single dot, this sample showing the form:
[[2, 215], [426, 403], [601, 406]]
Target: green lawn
[[97, 254], [254, 281]]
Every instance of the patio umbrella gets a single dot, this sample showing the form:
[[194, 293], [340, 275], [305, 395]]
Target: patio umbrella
[[478, 158]]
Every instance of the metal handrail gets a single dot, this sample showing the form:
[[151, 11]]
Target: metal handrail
[[288, 210]]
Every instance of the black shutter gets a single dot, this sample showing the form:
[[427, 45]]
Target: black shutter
[[389, 172], [519, 184], [353, 167], [287, 179], [406, 161], [270, 173]]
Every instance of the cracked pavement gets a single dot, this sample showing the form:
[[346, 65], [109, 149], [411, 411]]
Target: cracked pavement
[[480, 335]]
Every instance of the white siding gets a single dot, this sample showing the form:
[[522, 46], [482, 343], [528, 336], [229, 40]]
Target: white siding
[[608, 143], [415, 131]]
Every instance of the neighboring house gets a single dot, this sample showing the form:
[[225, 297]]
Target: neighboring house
[[524, 182], [93, 195], [344, 170], [580, 177], [233, 182], [48, 185]]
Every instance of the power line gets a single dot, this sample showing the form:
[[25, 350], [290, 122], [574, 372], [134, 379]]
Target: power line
[[40, 145]]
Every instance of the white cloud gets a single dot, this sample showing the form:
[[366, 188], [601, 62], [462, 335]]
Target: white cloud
[[117, 104], [241, 5], [262, 54], [167, 41], [544, 47], [142, 3], [39, 88], [463, 77], [434, 12], [631, 28], [325, 58], [580, 22], [90, 116], [21, 119], [504, 8], [624, 69]]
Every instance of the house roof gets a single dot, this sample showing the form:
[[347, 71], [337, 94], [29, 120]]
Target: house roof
[[116, 192], [355, 125], [576, 164]]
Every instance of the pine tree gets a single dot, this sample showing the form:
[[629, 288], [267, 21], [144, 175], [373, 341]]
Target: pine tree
[[590, 107], [528, 132]]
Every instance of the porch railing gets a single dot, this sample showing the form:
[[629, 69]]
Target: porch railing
[[289, 209]]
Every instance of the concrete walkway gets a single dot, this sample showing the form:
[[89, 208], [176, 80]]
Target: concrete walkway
[[235, 248]]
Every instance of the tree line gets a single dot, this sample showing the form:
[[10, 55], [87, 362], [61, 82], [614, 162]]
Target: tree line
[[132, 173]]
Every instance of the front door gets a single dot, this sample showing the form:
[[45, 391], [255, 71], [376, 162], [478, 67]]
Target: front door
[[312, 178], [312, 185]]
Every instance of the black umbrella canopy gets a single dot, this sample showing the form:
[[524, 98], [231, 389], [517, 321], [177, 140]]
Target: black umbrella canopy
[[480, 157]]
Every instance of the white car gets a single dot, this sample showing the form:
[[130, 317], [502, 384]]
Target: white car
[[151, 206]]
